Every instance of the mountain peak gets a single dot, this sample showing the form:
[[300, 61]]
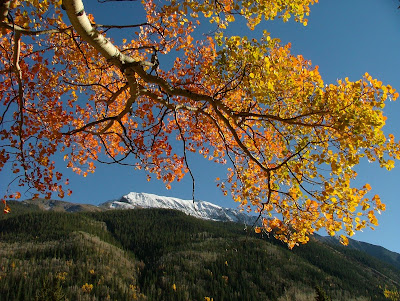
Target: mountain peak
[[199, 209]]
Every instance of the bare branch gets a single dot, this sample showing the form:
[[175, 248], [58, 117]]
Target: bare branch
[[29, 32], [95, 25], [184, 153]]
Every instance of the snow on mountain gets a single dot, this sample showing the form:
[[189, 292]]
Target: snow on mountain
[[200, 209]]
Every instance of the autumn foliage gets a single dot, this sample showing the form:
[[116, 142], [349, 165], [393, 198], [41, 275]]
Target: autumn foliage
[[289, 141]]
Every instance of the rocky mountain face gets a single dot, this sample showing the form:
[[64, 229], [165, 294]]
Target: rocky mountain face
[[59, 206], [199, 209]]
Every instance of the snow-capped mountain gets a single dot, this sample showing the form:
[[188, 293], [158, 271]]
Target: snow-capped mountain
[[200, 209]]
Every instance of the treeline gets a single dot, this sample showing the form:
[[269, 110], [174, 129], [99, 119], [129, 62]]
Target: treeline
[[155, 254]]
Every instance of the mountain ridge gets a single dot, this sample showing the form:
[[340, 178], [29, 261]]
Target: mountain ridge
[[176, 257], [199, 209], [376, 251], [59, 206]]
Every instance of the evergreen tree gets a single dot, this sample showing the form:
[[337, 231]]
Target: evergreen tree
[[321, 294]]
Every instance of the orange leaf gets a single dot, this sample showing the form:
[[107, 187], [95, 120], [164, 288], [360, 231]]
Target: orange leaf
[[257, 229], [6, 209]]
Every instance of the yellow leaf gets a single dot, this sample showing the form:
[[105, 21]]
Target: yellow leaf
[[344, 240]]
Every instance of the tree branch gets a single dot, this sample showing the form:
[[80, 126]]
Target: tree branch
[[29, 32], [4, 7]]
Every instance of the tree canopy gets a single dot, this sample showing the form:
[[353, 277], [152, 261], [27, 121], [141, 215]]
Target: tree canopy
[[289, 140]]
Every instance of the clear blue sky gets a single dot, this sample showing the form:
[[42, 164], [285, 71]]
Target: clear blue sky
[[343, 37]]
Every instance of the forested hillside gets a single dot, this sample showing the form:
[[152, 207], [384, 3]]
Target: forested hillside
[[155, 254]]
